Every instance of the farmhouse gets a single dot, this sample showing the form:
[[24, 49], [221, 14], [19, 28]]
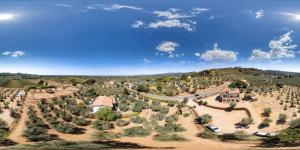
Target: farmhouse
[[228, 95], [103, 102]]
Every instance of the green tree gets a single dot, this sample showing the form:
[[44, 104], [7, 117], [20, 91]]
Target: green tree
[[106, 114]]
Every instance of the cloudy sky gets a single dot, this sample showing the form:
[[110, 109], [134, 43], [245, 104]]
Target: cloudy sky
[[108, 37]]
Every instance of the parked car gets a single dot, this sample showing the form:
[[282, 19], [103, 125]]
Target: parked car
[[264, 134], [213, 128]]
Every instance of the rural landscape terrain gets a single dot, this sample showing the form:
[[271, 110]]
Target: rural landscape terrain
[[165, 111]]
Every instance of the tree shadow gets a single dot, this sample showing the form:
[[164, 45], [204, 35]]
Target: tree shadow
[[127, 145]]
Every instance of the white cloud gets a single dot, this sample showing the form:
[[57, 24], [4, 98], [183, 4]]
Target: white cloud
[[171, 24], [218, 54], [63, 5], [14, 54], [148, 61], [167, 46], [295, 16], [259, 14], [280, 48], [115, 7], [212, 17], [173, 13], [137, 24], [196, 11]]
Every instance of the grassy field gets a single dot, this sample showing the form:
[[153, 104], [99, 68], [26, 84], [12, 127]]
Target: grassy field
[[15, 83]]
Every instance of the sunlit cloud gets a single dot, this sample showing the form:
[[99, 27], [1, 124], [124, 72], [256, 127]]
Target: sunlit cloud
[[14, 54], [6, 16], [295, 16]]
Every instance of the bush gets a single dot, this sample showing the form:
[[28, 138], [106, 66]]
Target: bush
[[266, 122], [107, 114], [165, 137], [80, 121], [170, 127], [137, 120], [295, 123], [186, 114], [204, 119], [123, 107], [104, 135], [171, 103], [122, 123], [138, 106], [232, 105], [158, 117], [267, 112], [245, 122], [286, 137], [208, 134], [137, 131], [102, 125], [171, 118], [66, 128], [282, 118], [239, 135], [3, 124]]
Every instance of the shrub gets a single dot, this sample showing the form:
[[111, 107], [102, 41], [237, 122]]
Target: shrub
[[122, 123], [286, 137], [171, 103], [232, 105], [169, 137], [137, 131], [170, 127], [282, 118], [158, 116], [138, 119], [102, 125], [107, 114], [186, 114], [239, 135], [80, 121], [208, 134], [204, 119], [266, 122], [245, 122], [138, 106], [3, 124], [171, 118], [295, 123], [66, 128], [104, 135], [123, 107], [267, 111]]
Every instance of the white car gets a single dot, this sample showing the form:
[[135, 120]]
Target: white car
[[264, 134], [213, 128]]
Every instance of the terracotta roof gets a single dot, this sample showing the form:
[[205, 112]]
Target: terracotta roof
[[233, 91], [104, 101]]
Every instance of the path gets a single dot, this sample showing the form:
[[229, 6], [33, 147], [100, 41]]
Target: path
[[17, 132]]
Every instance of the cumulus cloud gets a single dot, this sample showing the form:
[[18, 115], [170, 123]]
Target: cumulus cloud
[[14, 54], [217, 54], [280, 48], [137, 24], [171, 24], [167, 46], [259, 14], [115, 7]]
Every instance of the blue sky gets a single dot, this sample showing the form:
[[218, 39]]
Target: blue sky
[[129, 37]]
